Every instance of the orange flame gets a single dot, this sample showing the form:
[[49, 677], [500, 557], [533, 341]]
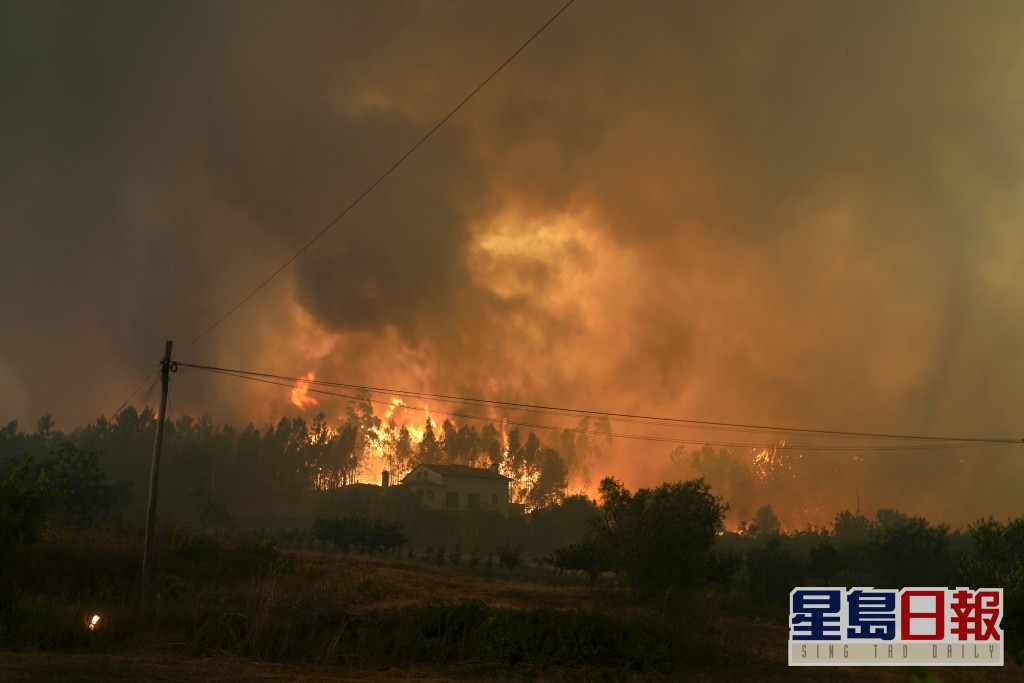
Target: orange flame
[[417, 431], [395, 404], [300, 393], [769, 460]]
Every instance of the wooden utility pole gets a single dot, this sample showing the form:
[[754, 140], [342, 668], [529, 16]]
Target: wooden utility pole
[[154, 474]]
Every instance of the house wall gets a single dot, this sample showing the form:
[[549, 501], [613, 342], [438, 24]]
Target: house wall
[[433, 490], [493, 492]]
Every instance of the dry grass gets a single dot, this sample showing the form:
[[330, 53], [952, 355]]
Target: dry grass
[[316, 617], [101, 668]]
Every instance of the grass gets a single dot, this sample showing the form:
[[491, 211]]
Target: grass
[[251, 612]]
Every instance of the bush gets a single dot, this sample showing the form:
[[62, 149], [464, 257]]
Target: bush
[[510, 556], [584, 556], [660, 539], [193, 547], [24, 504], [359, 532]]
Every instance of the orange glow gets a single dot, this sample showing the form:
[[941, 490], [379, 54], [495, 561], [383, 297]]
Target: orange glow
[[768, 461], [395, 403], [417, 431], [300, 393]]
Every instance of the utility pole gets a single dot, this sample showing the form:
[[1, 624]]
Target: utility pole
[[147, 557]]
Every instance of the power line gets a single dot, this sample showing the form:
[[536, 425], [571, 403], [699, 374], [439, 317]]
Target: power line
[[113, 415], [944, 443], [380, 179], [116, 450]]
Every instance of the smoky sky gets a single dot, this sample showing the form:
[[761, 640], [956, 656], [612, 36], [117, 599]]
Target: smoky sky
[[795, 213]]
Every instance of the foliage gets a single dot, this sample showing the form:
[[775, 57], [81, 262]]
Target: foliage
[[551, 484], [764, 522], [773, 570], [908, 551], [509, 555], [999, 563], [193, 547], [276, 465], [361, 533], [587, 556], [825, 562], [660, 539], [88, 496], [25, 501]]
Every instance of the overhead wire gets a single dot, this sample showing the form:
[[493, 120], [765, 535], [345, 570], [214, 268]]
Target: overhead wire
[[124, 403], [116, 450], [380, 179], [946, 443], [613, 416]]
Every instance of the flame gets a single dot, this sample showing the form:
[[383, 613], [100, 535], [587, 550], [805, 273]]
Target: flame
[[94, 622], [395, 404], [417, 431], [768, 460], [300, 394]]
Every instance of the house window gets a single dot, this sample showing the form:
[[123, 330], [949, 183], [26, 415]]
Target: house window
[[494, 498], [451, 500], [430, 494], [420, 492], [474, 501]]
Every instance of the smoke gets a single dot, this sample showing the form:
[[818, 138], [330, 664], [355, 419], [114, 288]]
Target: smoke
[[801, 214]]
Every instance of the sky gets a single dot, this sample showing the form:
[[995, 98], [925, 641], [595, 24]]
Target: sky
[[801, 213]]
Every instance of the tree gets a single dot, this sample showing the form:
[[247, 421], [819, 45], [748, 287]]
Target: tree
[[910, 552], [342, 458], [998, 562], [450, 447], [551, 484], [660, 539], [403, 454], [587, 556], [509, 555], [365, 534], [360, 414], [765, 522], [490, 443], [825, 562], [773, 572], [86, 494], [25, 500], [430, 449]]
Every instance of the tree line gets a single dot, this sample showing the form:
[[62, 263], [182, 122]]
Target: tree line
[[208, 465]]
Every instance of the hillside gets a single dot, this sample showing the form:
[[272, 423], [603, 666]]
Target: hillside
[[251, 612]]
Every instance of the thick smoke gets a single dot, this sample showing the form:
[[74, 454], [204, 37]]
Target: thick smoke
[[801, 214]]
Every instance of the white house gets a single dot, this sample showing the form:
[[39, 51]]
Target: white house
[[459, 487]]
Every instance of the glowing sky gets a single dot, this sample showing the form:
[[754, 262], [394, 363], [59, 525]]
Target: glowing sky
[[797, 213]]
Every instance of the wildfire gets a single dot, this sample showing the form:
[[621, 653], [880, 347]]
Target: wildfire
[[395, 404], [769, 460], [300, 393], [417, 431]]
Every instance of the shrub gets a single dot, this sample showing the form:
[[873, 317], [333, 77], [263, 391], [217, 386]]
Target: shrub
[[359, 532]]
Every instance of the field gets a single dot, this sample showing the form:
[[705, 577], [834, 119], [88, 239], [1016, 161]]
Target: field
[[249, 612]]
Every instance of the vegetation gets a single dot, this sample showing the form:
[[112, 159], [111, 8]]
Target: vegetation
[[362, 533], [640, 582]]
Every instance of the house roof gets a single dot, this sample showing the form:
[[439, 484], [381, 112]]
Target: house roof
[[462, 471]]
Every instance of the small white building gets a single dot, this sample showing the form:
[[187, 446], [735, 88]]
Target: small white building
[[459, 487]]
